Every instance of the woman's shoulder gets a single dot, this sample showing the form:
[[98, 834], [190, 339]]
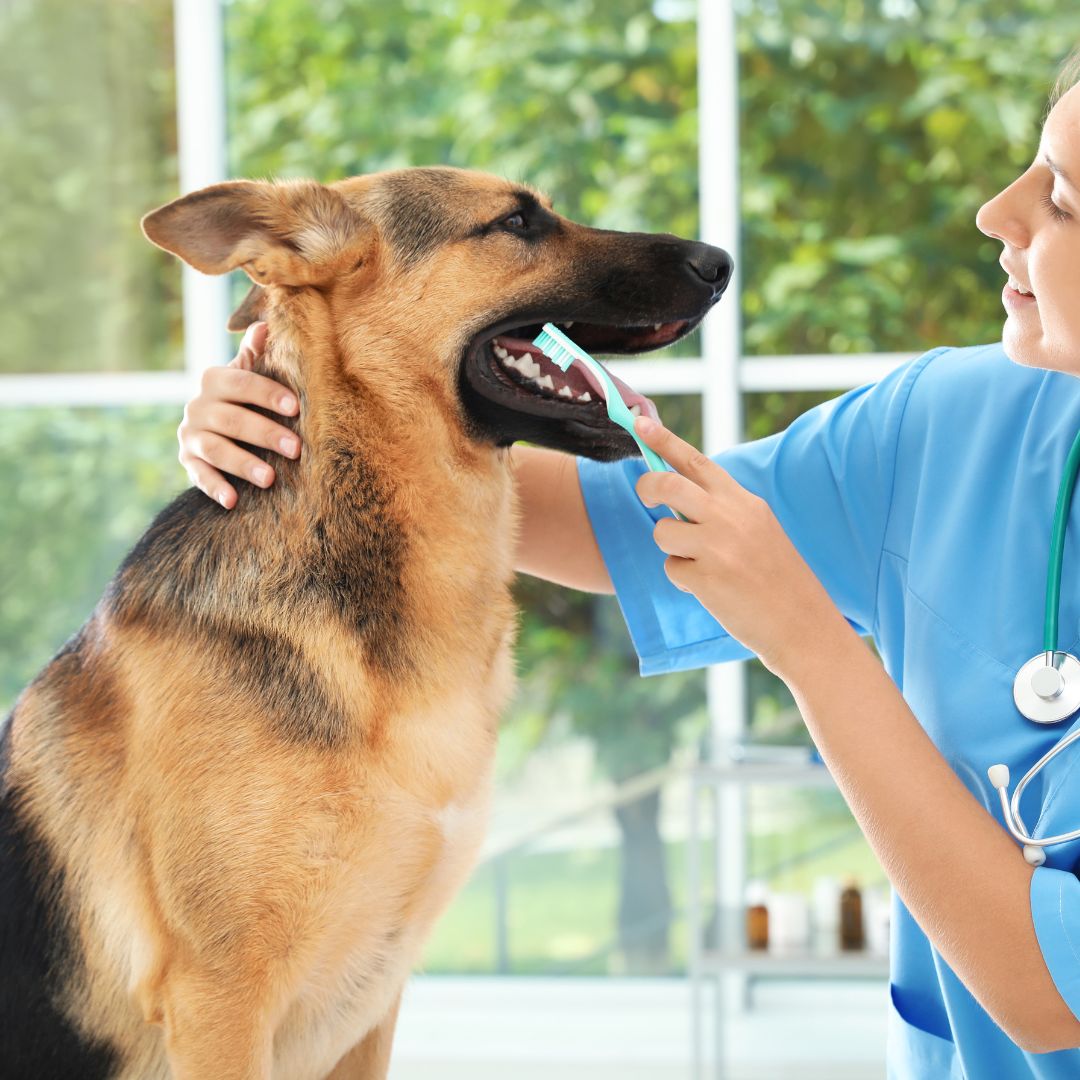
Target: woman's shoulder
[[973, 379]]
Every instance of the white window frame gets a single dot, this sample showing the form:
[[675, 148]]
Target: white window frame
[[721, 375]]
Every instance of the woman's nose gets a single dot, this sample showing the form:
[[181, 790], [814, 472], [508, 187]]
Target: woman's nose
[[998, 217]]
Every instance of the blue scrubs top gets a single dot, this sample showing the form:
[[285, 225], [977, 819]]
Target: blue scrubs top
[[924, 503]]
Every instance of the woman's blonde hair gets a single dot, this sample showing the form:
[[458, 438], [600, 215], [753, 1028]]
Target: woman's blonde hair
[[1068, 77]]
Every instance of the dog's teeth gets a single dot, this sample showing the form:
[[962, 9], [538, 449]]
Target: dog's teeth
[[568, 325], [657, 325], [635, 409], [545, 382], [500, 352], [565, 391], [585, 397]]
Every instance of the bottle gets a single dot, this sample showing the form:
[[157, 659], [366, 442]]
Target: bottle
[[878, 904], [789, 922], [826, 904], [851, 917], [757, 915]]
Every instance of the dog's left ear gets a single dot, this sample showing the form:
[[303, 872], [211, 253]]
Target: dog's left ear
[[294, 232], [249, 311]]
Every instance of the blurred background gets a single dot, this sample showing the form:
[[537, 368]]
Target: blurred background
[[840, 149]]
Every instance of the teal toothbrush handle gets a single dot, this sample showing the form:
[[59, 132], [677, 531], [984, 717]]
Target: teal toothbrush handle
[[559, 348], [657, 464]]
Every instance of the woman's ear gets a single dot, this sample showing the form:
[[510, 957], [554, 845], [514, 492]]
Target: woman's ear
[[288, 233]]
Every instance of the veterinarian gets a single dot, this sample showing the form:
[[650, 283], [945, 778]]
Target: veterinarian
[[919, 510]]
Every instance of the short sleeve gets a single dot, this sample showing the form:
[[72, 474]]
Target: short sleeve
[[1055, 911], [828, 478]]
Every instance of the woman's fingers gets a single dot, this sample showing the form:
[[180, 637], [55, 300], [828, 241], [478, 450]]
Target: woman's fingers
[[251, 346], [222, 453], [221, 415], [676, 492], [245, 425], [683, 457], [210, 482], [246, 388]]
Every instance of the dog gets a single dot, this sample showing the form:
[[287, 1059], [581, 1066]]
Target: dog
[[233, 805]]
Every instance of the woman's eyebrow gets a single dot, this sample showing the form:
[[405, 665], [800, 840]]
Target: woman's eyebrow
[[1058, 171]]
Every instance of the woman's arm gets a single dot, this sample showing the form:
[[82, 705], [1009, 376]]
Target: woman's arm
[[958, 871], [962, 877], [555, 541]]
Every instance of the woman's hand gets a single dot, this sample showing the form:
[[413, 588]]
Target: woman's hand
[[733, 555], [217, 416]]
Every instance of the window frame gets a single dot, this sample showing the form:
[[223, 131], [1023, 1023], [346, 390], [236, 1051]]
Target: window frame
[[721, 375]]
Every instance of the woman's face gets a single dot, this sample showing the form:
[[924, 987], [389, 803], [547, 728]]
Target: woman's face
[[1037, 218]]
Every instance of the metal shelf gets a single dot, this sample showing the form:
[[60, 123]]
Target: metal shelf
[[717, 935], [796, 964], [759, 772]]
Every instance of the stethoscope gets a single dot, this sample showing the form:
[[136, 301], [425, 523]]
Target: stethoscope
[[1047, 688]]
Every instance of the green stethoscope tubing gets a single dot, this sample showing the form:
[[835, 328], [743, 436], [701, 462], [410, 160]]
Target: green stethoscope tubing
[[1057, 547], [1046, 687]]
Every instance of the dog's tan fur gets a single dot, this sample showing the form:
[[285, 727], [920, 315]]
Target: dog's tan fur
[[262, 769]]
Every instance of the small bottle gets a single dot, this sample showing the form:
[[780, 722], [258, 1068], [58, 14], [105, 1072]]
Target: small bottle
[[878, 905], [757, 915], [789, 922], [851, 917], [826, 914]]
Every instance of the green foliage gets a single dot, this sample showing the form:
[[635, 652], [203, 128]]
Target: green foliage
[[78, 486], [871, 132], [590, 100], [87, 146]]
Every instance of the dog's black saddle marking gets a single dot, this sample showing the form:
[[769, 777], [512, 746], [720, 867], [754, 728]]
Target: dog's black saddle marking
[[37, 1042]]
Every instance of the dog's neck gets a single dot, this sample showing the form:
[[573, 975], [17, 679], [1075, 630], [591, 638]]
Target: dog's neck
[[369, 395]]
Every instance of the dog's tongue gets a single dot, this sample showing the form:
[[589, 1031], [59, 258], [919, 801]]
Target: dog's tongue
[[630, 397]]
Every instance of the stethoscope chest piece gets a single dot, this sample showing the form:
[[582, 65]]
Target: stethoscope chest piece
[[1048, 692]]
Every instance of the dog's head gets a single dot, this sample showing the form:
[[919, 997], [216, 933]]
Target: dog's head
[[449, 274]]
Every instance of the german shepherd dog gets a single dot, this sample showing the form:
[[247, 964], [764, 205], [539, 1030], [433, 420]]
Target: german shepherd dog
[[234, 803]]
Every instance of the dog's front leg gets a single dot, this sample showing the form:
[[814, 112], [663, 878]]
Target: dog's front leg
[[369, 1059], [216, 1029]]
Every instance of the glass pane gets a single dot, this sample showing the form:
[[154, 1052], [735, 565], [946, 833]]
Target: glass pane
[[805, 841], [596, 104], [870, 134], [580, 891], [88, 144], [78, 487]]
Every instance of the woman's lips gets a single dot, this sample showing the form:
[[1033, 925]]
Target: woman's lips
[[1016, 300]]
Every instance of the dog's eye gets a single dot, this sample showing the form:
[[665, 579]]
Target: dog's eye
[[516, 222]]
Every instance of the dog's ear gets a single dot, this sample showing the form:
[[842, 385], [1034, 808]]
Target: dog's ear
[[288, 233], [249, 311]]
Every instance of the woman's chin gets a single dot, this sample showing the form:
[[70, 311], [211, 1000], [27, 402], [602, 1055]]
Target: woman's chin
[[1031, 347]]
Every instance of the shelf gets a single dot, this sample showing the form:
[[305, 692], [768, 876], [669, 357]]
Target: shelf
[[728, 951], [796, 963], [759, 772]]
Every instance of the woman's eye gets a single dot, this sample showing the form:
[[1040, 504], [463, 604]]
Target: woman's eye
[[1053, 208], [515, 221]]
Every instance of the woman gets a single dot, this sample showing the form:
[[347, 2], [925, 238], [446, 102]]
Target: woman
[[917, 509]]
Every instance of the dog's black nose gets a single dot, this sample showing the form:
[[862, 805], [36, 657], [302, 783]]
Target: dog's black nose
[[712, 264]]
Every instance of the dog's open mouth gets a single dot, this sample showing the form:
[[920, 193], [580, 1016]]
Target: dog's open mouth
[[524, 368]]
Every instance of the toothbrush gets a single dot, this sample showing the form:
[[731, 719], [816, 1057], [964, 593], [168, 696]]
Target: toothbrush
[[558, 348]]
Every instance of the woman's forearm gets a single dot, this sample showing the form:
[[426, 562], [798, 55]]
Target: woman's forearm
[[555, 541], [960, 874]]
